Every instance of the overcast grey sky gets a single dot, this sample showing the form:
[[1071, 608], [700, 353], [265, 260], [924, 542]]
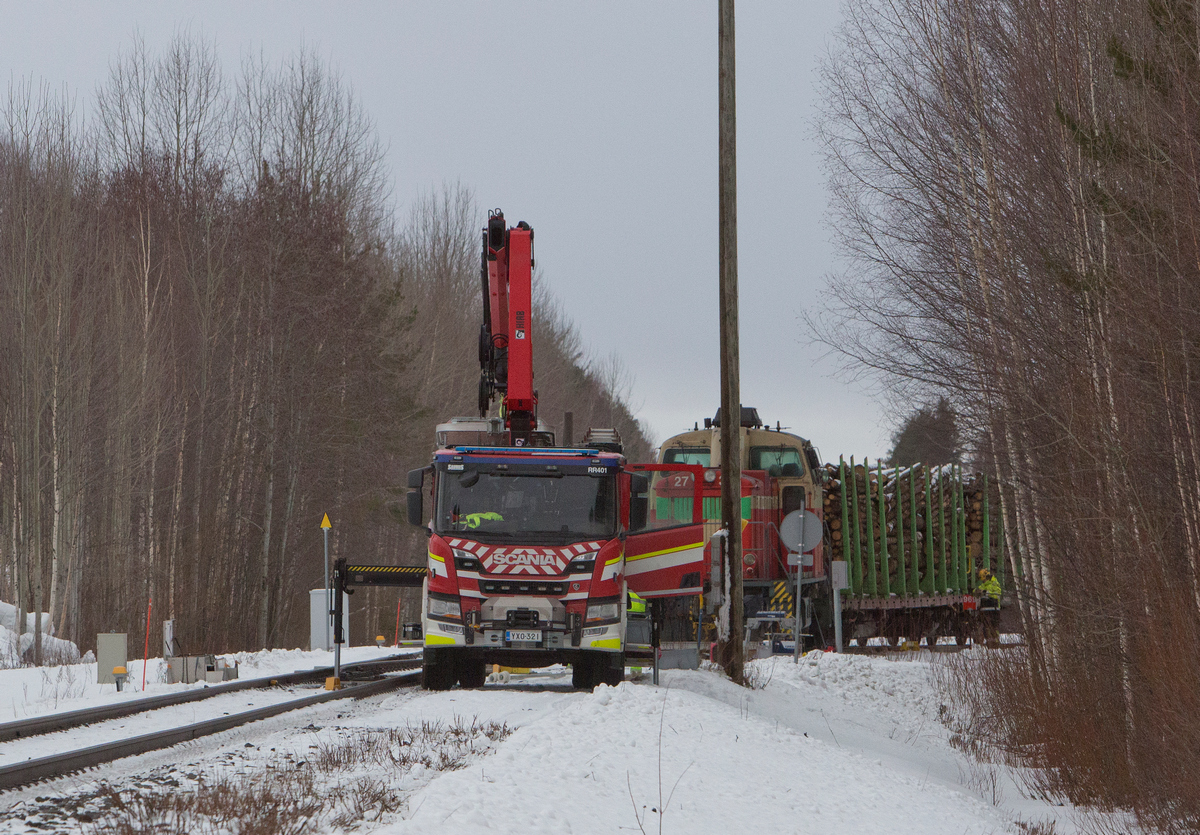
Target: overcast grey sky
[[597, 124]]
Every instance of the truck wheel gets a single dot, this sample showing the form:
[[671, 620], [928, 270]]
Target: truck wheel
[[437, 671], [583, 673], [614, 672], [471, 673]]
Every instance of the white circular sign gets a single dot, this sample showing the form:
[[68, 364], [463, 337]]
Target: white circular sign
[[801, 530]]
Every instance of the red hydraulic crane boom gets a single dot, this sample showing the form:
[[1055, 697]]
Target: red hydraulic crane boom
[[506, 336]]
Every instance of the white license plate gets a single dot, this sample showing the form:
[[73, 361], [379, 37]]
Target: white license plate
[[514, 635]]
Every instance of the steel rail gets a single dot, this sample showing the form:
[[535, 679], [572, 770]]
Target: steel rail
[[60, 765], [940, 648], [38, 725]]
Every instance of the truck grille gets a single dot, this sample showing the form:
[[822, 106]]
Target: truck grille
[[522, 618], [522, 587]]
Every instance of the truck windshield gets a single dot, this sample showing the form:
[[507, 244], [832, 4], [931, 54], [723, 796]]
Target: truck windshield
[[531, 508]]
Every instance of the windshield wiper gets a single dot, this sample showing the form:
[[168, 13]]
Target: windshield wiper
[[483, 535]]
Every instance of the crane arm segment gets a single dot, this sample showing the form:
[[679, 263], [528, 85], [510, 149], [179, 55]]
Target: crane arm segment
[[506, 336]]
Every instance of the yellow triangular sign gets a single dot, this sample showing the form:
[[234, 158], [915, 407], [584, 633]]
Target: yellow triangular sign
[[325, 523]]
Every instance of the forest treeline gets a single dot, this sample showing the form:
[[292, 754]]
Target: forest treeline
[[212, 332], [1018, 186]]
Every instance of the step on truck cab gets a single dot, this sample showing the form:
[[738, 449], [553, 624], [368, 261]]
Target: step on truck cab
[[531, 553]]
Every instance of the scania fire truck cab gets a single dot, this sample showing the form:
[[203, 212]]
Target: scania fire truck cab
[[531, 554]]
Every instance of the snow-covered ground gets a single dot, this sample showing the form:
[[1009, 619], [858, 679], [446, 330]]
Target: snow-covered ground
[[37, 691], [836, 744]]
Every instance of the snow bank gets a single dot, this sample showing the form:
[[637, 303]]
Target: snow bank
[[8, 619], [899, 689], [15, 651], [611, 760]]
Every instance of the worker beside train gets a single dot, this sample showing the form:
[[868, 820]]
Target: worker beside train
[[989, 592]]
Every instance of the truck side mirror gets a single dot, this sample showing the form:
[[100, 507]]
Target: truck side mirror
[[416, 483], [639, 501], [415, 510]]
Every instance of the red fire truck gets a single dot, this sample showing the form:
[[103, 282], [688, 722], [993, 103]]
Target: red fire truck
[[532, 547]]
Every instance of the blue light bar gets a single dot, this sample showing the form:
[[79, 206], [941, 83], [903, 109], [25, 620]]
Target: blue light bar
[[509, 450]]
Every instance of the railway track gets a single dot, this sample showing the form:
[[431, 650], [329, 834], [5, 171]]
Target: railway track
[[405, 671], [23, 728], [884, 649]]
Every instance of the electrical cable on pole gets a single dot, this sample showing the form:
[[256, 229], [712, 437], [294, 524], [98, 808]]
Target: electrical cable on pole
[[731, 407]]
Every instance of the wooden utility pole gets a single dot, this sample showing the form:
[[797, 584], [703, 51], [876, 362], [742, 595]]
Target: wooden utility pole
[[731, 407]]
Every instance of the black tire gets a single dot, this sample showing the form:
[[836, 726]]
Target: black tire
[[437, 671], [485, 396], [471, 673], [485, 345], [583, 673], [613, 673]]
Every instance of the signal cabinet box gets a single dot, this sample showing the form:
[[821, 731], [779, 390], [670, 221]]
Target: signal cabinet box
[[112, 650]]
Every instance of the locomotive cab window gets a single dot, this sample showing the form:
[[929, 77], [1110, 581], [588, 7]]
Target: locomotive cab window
[[777, 460], [701, 455]]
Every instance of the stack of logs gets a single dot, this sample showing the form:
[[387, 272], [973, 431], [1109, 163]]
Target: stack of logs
[[935, 523]]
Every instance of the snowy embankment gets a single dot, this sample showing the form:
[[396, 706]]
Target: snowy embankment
[[836, 744], [37, 691]]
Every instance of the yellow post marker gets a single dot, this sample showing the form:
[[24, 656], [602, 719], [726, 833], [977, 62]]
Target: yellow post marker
[[333, 683], [325, 526]]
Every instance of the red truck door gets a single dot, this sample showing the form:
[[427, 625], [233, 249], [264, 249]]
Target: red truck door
[[666, 557]]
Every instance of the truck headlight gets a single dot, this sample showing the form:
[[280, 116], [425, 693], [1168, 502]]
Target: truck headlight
[[444, 608], [603, 611]]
